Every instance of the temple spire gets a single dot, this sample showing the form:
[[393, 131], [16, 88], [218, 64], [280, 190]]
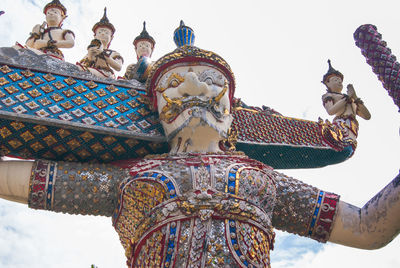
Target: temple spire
[[144, 35], [184, 35], [104, 22]]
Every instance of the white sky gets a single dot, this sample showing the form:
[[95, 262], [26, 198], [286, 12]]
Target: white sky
[[278, 52]]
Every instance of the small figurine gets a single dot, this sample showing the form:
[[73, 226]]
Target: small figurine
[[49, 37], [344, 106], [144, 46], [100, 60]]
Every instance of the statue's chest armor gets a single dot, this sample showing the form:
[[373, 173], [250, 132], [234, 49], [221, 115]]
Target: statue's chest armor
[[56, 34], [197, 211]]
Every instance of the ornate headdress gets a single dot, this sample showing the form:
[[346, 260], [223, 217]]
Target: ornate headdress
[[331, 72], [183, 35], [57, 4], [191, 55], [104, 22], [144, 35]]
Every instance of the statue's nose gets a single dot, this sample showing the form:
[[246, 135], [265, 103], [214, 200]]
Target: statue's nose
[[192, 86]]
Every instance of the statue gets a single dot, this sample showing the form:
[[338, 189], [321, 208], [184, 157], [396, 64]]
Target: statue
[[345, 107], [199, 205], [144, 46], [48, 37], [100, 60]]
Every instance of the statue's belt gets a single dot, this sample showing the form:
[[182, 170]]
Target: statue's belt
[[180, 209]]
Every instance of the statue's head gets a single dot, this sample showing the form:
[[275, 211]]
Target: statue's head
[[144, 43], [104, 30], [192, 86], [55, 13], [333, 79]]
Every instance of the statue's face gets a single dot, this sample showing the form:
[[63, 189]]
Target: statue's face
[[54, 16], [335, 84], [143, 48], [104, 34], [190, 96]]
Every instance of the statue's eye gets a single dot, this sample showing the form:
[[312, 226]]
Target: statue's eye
[[208, 81], [174, 83]]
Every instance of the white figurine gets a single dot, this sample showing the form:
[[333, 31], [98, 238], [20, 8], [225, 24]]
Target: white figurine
[[100, 60], [144, 46], [345, 107], [49, 37]]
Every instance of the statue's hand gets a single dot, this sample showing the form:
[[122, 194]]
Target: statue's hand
[[351, 92], [52, 43], [39, 43], [93, 52], [130, 68], [36, 29]]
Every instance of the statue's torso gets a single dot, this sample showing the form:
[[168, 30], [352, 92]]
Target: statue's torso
[[197, 211], [188, 210], [349, 109]]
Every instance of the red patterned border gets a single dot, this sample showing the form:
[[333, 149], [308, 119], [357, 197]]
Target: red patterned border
[[41, 186], [322, 228]]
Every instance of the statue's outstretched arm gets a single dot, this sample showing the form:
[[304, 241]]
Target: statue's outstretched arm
[[307, 211], [303, 209], [75, 188], [372, 226], [14, 180]]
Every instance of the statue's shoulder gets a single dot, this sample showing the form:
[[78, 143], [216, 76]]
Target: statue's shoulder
[[139, 165], [328, 96], [113, 53], [132, 65], [65, 32]]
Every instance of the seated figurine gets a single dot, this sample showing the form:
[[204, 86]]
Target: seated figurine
[[100, 60], [49, 37], [144, 46], [344, 106]]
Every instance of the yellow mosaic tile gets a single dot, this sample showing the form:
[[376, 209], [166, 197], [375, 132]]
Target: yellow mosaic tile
[[86, 136]]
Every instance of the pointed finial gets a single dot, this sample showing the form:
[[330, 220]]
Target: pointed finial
[[331, 72], [184, 35], [104, 22], [104, 18], [144, 35]]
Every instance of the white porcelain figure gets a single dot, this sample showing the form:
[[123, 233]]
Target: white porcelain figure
[[100, 60], [49, 37]]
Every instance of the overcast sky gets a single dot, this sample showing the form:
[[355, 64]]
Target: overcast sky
[[278, 52]]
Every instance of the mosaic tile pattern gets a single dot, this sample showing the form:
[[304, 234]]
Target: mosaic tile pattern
[[55, 117], [284, 142], [71, 112], [75, 188], [29, 140], [195, 225], [74, 100], [384, 64], [259, 127]]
